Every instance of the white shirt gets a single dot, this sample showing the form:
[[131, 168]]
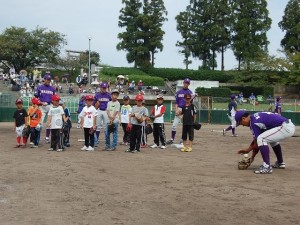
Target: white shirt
[[88, 114], [56, 114], [125, 111], [156, 110]]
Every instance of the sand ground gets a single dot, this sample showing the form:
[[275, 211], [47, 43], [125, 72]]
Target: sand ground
[[151, 187]]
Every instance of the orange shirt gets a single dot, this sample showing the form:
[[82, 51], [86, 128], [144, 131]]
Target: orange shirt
[[35, 116]]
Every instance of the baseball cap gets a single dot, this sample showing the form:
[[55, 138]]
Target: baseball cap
[[61, 102], [115, 91], [139, 98], [159, 96], [35, 101], [19, 101], [89, 97], [187, 80], [47, 77], [187, 95], [126, 97], [278, 98], [232, 96], [55, 98], [238, 116], [103, 85]]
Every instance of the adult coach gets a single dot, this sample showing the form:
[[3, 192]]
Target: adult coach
[[180, 103], [267, 128], [44, 94], [103, 97]]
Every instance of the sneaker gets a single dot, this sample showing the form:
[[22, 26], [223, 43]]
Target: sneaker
[[154, 146], [264, 169], [113, 149], [78, 126], [35, 146], [59, 150], [106, 149], [224, 132], [234, 135], [47, 140], [84, 148], [163, 147], [279, 165], [67, 145], [183, 149], [51, 149], [144, 146], [90, 148], [189, 149], [169, 142], [135, 151], [128, 150], [31, 143]]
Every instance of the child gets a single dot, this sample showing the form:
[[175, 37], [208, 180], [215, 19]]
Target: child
[[189, 118], [98, 125], [55, 122], [88, 123], [157, 113], [113, 109], [232, 109], [136, 121], [124, 118], [81, 104], [144, 134], [35, 117], [67, 125], [21, 119]]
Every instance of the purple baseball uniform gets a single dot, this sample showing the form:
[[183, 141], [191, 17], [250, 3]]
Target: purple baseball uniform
[[45, 92], [278, 107], [104, 98], [179, 96]]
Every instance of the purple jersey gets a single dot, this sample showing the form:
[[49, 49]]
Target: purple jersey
[[103, 98], [278, 107], [262, 121], [45, 92], [180, 97]]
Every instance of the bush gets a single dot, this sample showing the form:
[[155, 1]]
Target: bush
[[147, 80], [247, 90], [213, 92], [115, 71]]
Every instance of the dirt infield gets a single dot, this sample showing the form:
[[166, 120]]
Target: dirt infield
[[151, 187]]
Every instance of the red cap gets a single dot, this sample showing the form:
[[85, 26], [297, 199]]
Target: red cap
[[55, 98], [89, 97], [139, 98], [35, 101], [19, 101]]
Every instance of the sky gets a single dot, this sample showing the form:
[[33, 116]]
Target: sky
[[98, 20]]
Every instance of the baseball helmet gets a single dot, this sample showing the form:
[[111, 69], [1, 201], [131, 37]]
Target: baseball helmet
[[55, 98], [89, 97], [19, 101], [187, 80], [104, 85], [47, 76], [139, 98], [35, 101]]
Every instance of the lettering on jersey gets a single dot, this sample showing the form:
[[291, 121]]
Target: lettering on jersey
[[47, 92], [88, 114], [103, 100], [180, 96]]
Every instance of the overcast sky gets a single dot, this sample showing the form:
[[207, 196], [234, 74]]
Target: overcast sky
[[98, 19]]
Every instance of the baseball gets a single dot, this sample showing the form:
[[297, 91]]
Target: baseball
[[245, 155]]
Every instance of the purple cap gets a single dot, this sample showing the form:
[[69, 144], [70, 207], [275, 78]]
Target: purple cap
[[187, 80], [278, 98], [238, 116], [47, 77], [103, 85], [232, 96]]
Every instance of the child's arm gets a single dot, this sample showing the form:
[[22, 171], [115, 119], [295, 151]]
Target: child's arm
[[49, 121], [26, 121], [162, 112]]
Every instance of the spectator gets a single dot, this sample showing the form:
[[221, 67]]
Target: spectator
[[252, 99], [140, 85], [241, 98], [131, 86]]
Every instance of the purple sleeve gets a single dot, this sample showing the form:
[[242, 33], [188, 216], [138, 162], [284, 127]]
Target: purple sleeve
[[256, 131]]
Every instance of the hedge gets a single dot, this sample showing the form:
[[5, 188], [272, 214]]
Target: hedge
[[247, 90], [147, 80], [115, 71], [213, 92]]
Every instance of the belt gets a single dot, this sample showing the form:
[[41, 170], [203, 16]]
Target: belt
[[102, 109]]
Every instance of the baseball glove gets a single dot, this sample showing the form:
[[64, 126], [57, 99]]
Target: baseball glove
[[128, 128], [244, 163], [197, 126], [151, 118], [111, 128], [148, 129], [26, 131], [92, 131]]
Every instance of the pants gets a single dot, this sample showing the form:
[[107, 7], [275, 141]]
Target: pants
[[276, 134], [66, 135], [159, 133], [188, 130], [135, 137], [144, 135], [20, 139], [56, 139], [88, 138], [232, 120], [176, 121], [34, 134], [126, 136], [115, 136], [102, 119]]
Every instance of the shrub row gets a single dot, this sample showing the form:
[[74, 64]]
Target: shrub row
[[115, 71], [247, 90], [214, 92]]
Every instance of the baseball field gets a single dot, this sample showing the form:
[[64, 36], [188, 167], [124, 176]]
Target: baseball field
[[155, 186]]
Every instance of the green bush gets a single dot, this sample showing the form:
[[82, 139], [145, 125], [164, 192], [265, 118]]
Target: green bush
[[213, 92], [147, 80], [247, 90], [115, 71]]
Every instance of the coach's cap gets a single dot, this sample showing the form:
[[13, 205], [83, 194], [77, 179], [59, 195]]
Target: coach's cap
[[89, 97], [103, 85], [61, 102], [187, 96], [232, 96], [19, 101], [238, 116], [55, 98], [126, 97], [160, 96], [187, 80]]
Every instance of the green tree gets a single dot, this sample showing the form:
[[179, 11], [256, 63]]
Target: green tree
[[250, 25], [84, 58], [23, 49], [291, 25]]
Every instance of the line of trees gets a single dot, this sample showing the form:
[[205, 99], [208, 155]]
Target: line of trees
[[207, 27]]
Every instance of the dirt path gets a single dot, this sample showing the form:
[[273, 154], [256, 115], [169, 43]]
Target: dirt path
[[153, 187]]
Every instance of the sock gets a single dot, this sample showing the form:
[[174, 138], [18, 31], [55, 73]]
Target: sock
[[233, 131], [265, 153], [97, 134], [18, 140], [278, 153], [47, 133], [173, 134], [228, 128], [24, 140]]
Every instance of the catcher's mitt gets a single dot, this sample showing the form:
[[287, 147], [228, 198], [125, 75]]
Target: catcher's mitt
[[197, 126], [65, 127], [92, 131], [244, 163], [148, 129], [111, 128], [128, 128], [26, 131]]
